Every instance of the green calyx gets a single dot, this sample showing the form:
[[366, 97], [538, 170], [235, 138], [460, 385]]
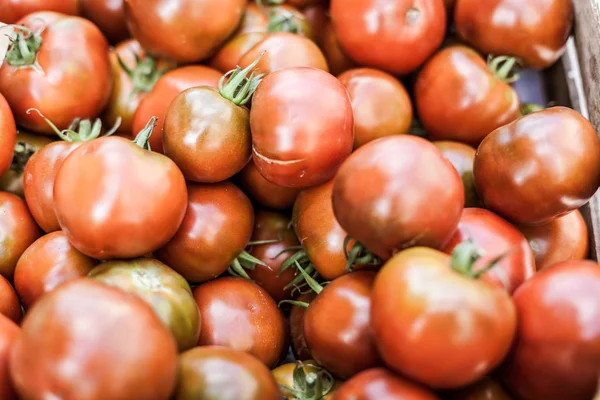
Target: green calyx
[[22, 154], [143, 138], [24, 47], [359, 255], [504, 68], [145, 73], [80, 130], [246, 261], [282, 20], [528, 108], [306, 274], [464, 257], [310, 382], [240, 87]]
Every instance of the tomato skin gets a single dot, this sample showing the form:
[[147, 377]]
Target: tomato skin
[[229, 55], [161, 288], [562, 239], [474, 101], [298, 339], [559, 314], [61, 94], [287, 150], [461, 156], [485, 389], [250, 321], [14, 10], [221, 373], [9, 332], [8, 135], [337, 59], [10, 306], [380, 103], [422, 311], [48, 263], [263, 192], [17, 231], [191, 31], [539, 167], [317, 18], [284, 50], [377, 217], [538, 39], [395, 36], [495, 236], [379, 383], [124, 353], [108, 15], [284, 375], [139, 220], [157, 101], [342, 307], [225, 211], [253, 20]]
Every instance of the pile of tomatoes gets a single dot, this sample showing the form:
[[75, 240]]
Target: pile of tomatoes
[[301, 199]]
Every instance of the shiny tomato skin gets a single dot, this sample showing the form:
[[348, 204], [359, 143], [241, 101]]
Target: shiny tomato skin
[[109, 208], [495, 236], [379, 383], [124, 352], [9, 332], [391, 35], [17, 231], [229, 55], [264, 193], [287, 150], [239, 314], [539, 167], [61, 94], [14, 10], [535, 32], [559, 314], [48, 263], [225, 211], [422, 312], [461, 156], [343, 306], [458, 97], [253, 20], [8, 135], [380, 103], [485, 389], [190, 31], [10, 306], [562, 239], [337, 59], [157, 101], [402, 173], [108, 15], [298, 339], [221, 373]]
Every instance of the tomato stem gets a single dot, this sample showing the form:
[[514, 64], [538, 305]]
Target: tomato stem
[[504, 68], [240, 88], [79, 130], [466, 254], [294, 303], [313, 385], [143, 138], [528, 108], [145, 73], [24, 47], [282, 20], [358, 254]]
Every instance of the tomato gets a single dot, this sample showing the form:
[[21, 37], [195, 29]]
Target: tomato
[[380, 103], [14, 10], [263, 192], [115, 199], [9, 332], [495, 237], [379, 383], [62, 94], [395, 36], [556, 354], [215, 372], [253, 20], [284, 50], [306, 3], [163, 289], [414, 196], [461, 156], [49, 262], [221, 209], [485, 389], [239, 314], [112, 343], [535, 32], [108, 15], [229, 55], [305, 380], [10, 306], [157, 101], [458, 97], [287, 18], [189, 31], [317, 17], [298, 140], [8, 135], [562, 239], [539, 167], [424, 311], [342, 307], [17, 231], [298, 340], [337, 59]]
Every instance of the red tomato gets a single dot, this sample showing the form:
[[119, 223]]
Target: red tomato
[[485, 389], [229, 55], [380, 103], [539, 167], [263, 192], [111, 344], [17, 231], [556, 354], [562, 239], [336, 325], [337, 59], [396, 36], [379, 384], [156, 102], [298, 340], [115, 199], [9, 332], [494, 237], [10, 306], [287, 18], [317, 17], [62, 94], [221, 209], [422, 312], [253, 20], [302, 127], [415, 195], [108, 15], [458, 97], [14, 10], [227, 374], [187, 30], [8, 135], [461, 156], [306, 3], [49, 262], [239, 314], [534, 31]]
